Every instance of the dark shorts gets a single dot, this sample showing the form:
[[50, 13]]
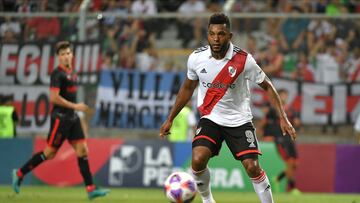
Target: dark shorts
[[63, 128], [286, 147], [241, 140]]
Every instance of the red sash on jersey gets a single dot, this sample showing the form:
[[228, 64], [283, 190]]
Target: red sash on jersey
[[225, 77]]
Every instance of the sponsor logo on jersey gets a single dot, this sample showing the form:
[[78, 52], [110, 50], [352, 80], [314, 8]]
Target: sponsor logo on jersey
[[218, 85], [203, 70], [232, 71]]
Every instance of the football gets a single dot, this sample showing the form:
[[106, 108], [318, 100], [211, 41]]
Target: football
[[180, 187]]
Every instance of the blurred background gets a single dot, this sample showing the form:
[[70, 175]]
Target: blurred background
[[131, 59]]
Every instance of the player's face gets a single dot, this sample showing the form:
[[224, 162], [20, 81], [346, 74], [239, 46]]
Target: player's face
[[219, 37], [283, 96], [65, 57]]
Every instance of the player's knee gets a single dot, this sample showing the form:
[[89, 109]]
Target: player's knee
[[50, 155], [199, 162], [82, 151], [292, 164], [253, 170]]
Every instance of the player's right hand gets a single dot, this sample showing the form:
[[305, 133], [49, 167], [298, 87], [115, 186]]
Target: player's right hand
[[165, 129], [81, 107]]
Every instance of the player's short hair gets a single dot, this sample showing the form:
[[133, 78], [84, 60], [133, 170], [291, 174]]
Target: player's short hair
[[219, 18], [62, 45], [280, 91]]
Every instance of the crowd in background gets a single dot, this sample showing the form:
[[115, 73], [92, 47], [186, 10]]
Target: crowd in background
[[325, 50]]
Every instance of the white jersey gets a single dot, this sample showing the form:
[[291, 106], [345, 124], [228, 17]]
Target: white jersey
[[223, 93]]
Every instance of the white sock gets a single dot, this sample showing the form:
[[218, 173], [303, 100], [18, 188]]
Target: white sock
[[262, 188], [202, 179]]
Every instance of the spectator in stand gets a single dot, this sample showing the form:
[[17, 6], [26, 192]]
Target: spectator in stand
[[293, 32], [347, 30], [306, 6], [42, 28], [352, 66], [271, 31], [169, 5], [122, 7], [10, 31], [148, 7], [327, 69], [190, 29], [334, 7], [304, 70], [143, 46], [247, 24], [107, 61], [272, 60], [147, 60], [109, 42], [251, 45], [25, 6], [319, 29], [69, 28], [132, 39], [320, 6]]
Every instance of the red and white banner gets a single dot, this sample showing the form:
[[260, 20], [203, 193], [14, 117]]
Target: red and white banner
[[316, 103], [29, 64], [32, 106]]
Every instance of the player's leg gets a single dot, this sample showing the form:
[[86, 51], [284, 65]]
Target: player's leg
[[243, 144], [78, 142], [55, 139], [281, 151], [206, 144], [290, 174], [201, 173], [291, 164], [259, 179]]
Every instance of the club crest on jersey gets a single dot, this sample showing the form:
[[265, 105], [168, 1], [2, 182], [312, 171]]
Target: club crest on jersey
[[198, 131], [232, 71]]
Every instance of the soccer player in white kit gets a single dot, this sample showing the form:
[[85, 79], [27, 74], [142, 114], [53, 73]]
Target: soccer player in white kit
[[222, 72]]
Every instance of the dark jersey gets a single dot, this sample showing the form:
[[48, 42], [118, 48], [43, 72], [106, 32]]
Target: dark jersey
[[66, 83], [272, 126]]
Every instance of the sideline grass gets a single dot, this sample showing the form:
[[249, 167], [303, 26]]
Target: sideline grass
[[46, 194]]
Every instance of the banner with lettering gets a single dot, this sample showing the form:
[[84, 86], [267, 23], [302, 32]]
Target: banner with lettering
[[32, 63], [32, 106], [133, 99], [316, 103]]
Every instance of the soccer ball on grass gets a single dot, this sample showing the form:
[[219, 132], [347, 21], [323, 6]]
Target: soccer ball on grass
[[180, 187]]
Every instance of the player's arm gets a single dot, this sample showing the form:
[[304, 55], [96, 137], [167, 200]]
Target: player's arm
[[262, 122], [285, 124], [184, 95], [57, 99]]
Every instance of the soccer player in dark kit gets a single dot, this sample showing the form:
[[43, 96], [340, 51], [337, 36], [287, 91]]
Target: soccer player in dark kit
[[286, 148], [65, 123]]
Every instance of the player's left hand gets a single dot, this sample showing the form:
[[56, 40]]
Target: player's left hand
[[287, 128]]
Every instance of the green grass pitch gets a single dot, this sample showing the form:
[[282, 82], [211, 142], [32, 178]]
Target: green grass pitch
[[46, 194]]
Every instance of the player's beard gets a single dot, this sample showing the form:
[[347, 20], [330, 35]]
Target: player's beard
[[222, 50]]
